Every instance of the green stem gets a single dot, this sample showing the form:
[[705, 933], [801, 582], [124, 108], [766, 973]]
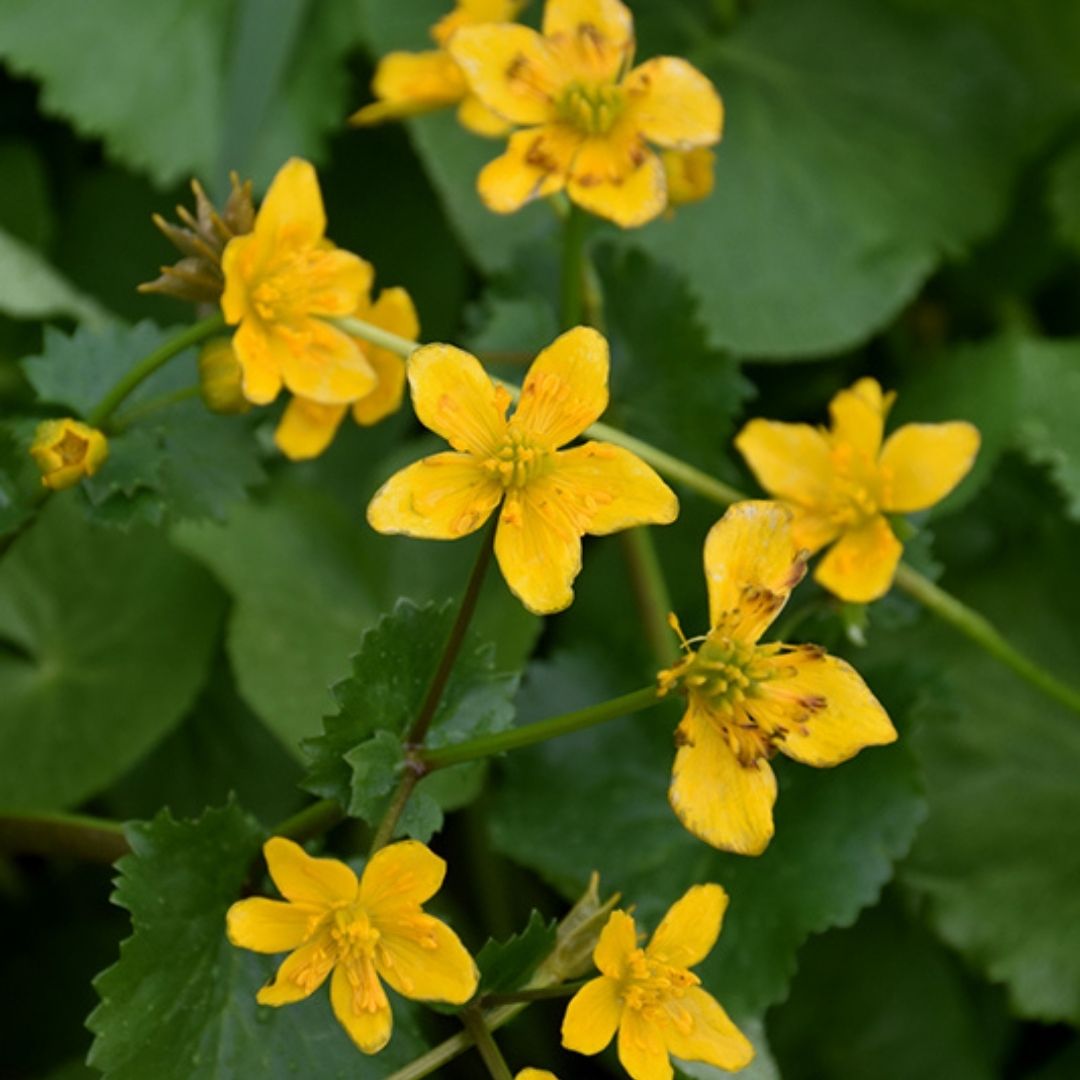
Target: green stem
[[476, 1026], [75, 835], [572, 278], [542, 730], [149, 364], [384, 831], [366, 331], [312, 821], [540, 993], [981, 631], [125, 420], [450, 1048], [650, 593]]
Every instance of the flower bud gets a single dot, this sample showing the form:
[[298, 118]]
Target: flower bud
[[67, 450], [689, 174], [576, 937], [221, 378]]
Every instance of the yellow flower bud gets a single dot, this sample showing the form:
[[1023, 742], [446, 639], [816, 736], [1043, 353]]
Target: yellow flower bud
[[689, 174], [221, 378], [67, 450]]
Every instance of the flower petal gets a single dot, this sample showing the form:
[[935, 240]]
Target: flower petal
[[858, 416], [407, 84], [330, 281], [718, 799], [592, 1017], [320, 362], [270, 926], [475, 116], [306, 880], [617, 941], [608, 20], [535, 164], [689, 174], [455, 398], [788, 460], [812, 529], [292, 213], [922, 463], [751, 565], [300, 974], [642, 1050], [538, 546], [511, 69], [359, 1002], [407, 872], [700, 1030], [690, 928], [307, 428], [601, 185], [256, 351], [615, 488], [423, 959], [827, 710], [566, 388], [393, 311], [860, 566], [673, 104], [442, 497]]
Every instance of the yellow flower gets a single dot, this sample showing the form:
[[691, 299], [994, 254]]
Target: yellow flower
[[221, 378], [550, 497], [363, 931], [651, 998], [279, 279], [307, 427], [840, 483], [67, 450], [407, 84], [746, 701], [586, 121], [689, 175]]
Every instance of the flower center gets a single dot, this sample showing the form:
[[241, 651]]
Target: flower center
[[518, 461], [649, 985], [72, 448], [591, 109], [352, 932], [856, 487]]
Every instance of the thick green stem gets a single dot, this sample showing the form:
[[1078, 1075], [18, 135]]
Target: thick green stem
[[572, 279], [446, 1051], [365, 331], [981, 631], [541, 731], [650, 593], [312, 821], [476, 1026], [149, 364], [73, 835]]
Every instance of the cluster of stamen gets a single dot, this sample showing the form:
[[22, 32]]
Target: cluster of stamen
[[71, 448], [649, 985], [855, 486], [591, 109], [518, 461]]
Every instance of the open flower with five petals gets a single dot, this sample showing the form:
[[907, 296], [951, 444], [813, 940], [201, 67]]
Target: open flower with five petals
[[586, 120], [651, 998], [550, 497], [841, 483], [283, 280], [365, 931], [746, 701]]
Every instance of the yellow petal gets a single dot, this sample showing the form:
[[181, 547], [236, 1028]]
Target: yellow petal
[[407, 872], [922, 463], [423, 959], [534, 1074], [292, 214], [307, 428], [256, 351], [472, 12], [629, 199], [442, 497], [566, 388], [673, 104], [409, 83], [300, 974], [306, 880], [455, 398], [860, 566], [270, 926], [718, 799], [360, 1005], [789, 460], [393, 311], [811, 528], [858, 416], [642, 1050], [538, 546], [614, 488], [827, 710], [475, 116], [751, 565], [510, 68], [689, 930], [535, 164], [606, 19], [700, 1030], [689, 174], [320, 362], [617, 941], [592, 1017], [330, 281]]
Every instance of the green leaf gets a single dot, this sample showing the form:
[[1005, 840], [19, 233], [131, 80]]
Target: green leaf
[[508, 965], [838, 832], [105, 640], [1064, 195], [180, 1002], [20, 481], [356, 761]]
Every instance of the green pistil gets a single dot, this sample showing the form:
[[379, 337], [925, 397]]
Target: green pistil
[[592, 110]]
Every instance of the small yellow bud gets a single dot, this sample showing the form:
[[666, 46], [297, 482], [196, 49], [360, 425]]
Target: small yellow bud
[[689, 174], [221, 378], [67, 450]]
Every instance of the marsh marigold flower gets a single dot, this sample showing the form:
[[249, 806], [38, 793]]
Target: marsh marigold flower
[[363, 931], [408, 83], [550, 497], [841, 483], [746, 701], [307, 427], [66, 451], [282, 280], [651, 998], [586, 121]]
